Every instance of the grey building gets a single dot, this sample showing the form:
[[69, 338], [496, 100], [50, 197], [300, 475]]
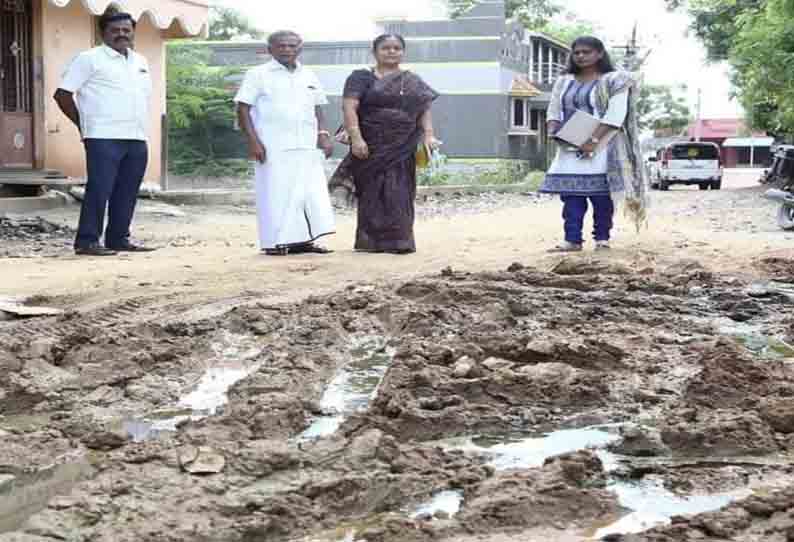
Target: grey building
[[494, 77]]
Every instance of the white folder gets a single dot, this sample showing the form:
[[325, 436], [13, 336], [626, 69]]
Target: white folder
[[579, 129]]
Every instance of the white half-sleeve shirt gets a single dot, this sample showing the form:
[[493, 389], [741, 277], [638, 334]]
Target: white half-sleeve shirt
[[283, 105], [112, 93]]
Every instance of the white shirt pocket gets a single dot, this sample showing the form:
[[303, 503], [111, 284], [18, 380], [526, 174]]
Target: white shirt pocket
[[144, 82]]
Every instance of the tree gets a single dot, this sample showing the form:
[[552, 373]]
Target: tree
[[200, 111], [531, 13], [568, 28], [762, 57], [661, 108], [716, 22], [756, 37], [228, 24]]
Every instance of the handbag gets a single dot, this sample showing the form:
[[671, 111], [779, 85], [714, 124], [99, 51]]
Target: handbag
[[423, 156]]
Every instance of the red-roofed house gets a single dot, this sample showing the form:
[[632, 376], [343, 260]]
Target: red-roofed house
[[738, 146]]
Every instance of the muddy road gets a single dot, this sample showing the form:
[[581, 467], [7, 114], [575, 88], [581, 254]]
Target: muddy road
[[642, 395]]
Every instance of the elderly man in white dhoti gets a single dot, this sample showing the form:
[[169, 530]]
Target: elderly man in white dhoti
[[279, 109]]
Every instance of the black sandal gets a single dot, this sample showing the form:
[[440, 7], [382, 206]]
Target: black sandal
[[283, 251]]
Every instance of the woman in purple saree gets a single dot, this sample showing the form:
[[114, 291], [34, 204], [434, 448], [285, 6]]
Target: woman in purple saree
[[387, 116]]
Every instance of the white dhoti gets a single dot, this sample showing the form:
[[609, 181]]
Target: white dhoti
[[292, 202]]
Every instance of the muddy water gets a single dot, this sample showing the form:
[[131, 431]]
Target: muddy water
[[447, 503], [23, 495], [648, 503], [652, 505], [521, 452], [233, 360], [755, 339], [353, 387]]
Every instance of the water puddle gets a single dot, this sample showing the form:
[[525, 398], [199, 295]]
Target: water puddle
[[233, 359], [446, 502], [23, 495], [652, 505], [352, 388], [648, 502], [756, 340], [518, 451]]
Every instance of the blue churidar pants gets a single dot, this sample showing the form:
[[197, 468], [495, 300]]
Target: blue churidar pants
[[573, 211]]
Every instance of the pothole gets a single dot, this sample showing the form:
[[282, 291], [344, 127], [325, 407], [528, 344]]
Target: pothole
[[353, 387], [517, 451], [647, 502], [234, 359], [755, 339], [443, 505], [652, 505]]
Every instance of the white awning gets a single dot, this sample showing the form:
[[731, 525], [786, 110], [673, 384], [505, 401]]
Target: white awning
[[181, 18], [749, 142]]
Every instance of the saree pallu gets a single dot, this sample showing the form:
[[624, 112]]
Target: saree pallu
[[384, 185]]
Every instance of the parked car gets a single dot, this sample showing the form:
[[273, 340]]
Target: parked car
[[688, 163], [651, 164]]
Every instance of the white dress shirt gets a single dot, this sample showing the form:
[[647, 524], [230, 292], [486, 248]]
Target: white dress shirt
[[113, 93], [283, 105]]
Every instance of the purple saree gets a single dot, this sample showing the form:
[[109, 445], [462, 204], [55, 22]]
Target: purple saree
[[384, 185]]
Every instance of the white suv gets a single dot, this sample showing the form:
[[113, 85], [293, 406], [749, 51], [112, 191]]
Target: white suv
[[688, 163]]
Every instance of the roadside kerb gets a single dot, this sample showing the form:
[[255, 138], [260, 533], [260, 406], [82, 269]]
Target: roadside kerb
[[247, 197], [32, 204]]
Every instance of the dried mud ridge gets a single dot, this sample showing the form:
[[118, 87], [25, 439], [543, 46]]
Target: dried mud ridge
[[685, 373]]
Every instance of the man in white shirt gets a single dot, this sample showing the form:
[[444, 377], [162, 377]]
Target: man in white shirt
[[278, 107], [105, 92]]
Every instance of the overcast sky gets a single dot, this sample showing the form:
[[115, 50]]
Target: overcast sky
[[676, 58]]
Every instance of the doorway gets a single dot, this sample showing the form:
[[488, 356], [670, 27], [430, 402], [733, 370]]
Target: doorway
[[16, 84]]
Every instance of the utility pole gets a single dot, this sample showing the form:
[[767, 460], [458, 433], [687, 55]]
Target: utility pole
[[632, 61], [697, 115]]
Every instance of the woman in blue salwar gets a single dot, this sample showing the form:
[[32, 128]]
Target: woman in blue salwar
[[608, 175]]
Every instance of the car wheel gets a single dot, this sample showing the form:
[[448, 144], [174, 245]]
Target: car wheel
[[716, 185], [664, 185], [785, 217], [704, 186]]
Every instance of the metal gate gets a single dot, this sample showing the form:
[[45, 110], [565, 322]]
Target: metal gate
[[16, 84]]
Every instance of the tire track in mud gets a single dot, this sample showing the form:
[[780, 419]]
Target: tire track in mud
[[162, 310], [126, 313]]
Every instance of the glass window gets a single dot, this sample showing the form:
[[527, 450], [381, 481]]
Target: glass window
[[519, 113], [695, 152], [536, 119]]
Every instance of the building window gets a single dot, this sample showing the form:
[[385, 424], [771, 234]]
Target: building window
[[519, 113], [524, 119], [536, 119]]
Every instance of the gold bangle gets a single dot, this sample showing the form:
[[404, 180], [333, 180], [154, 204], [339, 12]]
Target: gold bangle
[[324, 132]]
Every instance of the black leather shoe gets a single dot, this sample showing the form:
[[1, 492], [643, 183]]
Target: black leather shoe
[[129, 247], [94, 250]]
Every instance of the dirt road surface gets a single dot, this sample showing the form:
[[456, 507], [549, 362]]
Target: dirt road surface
[[478, 390], [210, 252]]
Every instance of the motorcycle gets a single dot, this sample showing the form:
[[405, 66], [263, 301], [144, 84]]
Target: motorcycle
[[782, 172]]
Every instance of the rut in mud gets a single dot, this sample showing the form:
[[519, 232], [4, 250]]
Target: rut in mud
[[591, 401]]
